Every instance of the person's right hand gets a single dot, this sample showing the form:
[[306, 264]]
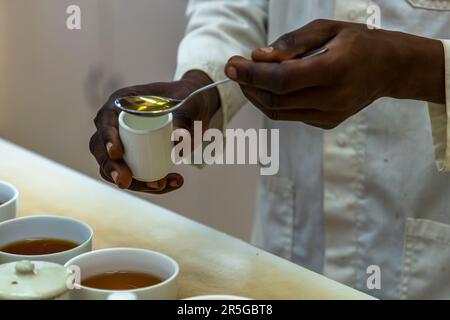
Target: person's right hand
[[107, 148]]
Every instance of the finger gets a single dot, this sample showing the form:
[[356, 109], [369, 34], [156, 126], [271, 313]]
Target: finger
[[290, 45], [172, 182], [111, 141], [114, 170], [158, 185], [116, 176], [107, 124], [279, 78], [310, 98], [311, 116], [118, 171]]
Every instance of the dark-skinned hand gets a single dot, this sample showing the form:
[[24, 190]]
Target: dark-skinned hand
[[107, 148], [360, 66]]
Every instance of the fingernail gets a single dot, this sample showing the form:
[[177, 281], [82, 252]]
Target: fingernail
[[267, 50], [115, 176], [174, 183], [232, 72], [109, 146]]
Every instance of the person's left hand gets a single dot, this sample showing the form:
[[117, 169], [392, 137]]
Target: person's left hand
[[360, 66]]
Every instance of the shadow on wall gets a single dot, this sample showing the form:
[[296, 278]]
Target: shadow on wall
[[68, 74]]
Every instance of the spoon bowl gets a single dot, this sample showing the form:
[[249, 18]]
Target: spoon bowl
[[147, 106]]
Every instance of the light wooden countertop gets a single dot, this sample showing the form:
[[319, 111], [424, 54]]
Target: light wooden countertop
[[211, 262]]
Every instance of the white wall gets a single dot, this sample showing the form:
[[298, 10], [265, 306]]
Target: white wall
[[53, 80]]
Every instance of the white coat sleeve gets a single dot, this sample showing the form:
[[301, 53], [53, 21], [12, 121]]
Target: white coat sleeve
[[217, 30], [440, 120]]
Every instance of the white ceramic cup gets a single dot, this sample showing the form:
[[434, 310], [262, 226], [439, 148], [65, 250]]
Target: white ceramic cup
[[147, 145], [53, 227], [131, 260], [9, 201]]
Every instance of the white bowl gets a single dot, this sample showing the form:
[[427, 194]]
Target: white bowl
[[9, 199], [126, 259], [53, 227]]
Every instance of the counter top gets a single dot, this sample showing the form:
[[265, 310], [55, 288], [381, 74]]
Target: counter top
[[211, 262]]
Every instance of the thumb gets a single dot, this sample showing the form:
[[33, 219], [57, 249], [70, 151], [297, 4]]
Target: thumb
[[291, 45]]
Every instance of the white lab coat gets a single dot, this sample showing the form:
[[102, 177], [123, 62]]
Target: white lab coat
[[366, 193]]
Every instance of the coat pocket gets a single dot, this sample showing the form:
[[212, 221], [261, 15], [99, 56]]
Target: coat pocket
[[441, 5], [426, 260], [274, 221]]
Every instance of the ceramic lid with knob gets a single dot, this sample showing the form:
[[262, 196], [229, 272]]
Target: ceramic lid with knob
[[33, 280]]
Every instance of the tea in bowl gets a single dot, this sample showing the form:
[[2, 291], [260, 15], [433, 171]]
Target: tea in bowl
[[44, 238], [124, 274]]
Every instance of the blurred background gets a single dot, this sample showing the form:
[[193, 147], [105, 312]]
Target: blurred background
[[53, 81]]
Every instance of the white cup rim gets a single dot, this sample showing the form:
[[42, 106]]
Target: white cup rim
[[14, 197], [122, 124], [94, 252], [51, 255]]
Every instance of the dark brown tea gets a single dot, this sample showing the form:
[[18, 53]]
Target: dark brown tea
[[121, 280], [40, 246]]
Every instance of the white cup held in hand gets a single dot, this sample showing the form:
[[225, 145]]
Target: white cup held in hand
[[147, 145]]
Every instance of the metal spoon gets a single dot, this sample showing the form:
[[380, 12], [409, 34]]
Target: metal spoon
[[154, 106]]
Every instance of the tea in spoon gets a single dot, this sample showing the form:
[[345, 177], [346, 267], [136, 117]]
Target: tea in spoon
[[155, 106]]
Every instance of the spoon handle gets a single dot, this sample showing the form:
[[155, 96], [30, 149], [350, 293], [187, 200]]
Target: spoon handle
[[209, 86], [215, 84], [312, 53]]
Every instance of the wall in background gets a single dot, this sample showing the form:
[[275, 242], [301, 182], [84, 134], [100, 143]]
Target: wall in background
[[53, 80], [2, 57]]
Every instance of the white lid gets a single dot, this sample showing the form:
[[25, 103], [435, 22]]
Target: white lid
[[32, 280]]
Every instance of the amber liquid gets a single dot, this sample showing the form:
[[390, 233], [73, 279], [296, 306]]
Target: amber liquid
[[148, 103], [35, 247], [121, 280]]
